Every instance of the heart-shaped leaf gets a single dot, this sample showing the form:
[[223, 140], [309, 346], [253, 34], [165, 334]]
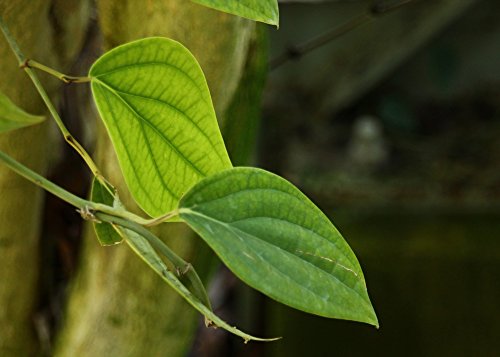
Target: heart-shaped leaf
[[156, 106], [13, 117], [106, 234], [277, 241], [141, 246], [259, 10]]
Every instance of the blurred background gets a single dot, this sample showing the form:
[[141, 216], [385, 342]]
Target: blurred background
[[385, 112], [391, 124]]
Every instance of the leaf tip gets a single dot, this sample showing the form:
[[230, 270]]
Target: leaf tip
[[273, 21], [372, 318]]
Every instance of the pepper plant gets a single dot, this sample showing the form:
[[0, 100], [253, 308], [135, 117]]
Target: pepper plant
[[154, 101]]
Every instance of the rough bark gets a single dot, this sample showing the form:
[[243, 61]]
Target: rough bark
[[119, 307], [31, 23]]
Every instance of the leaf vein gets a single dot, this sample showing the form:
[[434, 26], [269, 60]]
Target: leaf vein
[[153, 63], [291, 195], [235, 230], [176, 109], [154, 128], [155, 164], [353, 266], [126, 150]]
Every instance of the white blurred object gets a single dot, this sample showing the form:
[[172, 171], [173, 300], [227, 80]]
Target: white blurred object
[[367, 149]]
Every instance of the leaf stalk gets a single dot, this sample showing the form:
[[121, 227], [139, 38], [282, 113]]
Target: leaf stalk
[[29, 63], [25, 64]]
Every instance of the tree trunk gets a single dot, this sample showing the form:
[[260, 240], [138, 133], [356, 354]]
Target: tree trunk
[[118, 306], [32, 23]]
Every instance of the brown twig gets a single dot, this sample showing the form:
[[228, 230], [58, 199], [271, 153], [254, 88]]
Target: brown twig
[[295, 52]]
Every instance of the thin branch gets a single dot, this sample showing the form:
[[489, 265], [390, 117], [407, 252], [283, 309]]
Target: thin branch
[[43, 182], [38, 85], [81, 204], [183, 268], [295, 52]]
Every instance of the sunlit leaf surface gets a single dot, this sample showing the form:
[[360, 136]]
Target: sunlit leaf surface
[[156, 106]]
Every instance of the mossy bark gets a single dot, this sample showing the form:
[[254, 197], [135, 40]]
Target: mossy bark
[[32, 24], [117, 306]]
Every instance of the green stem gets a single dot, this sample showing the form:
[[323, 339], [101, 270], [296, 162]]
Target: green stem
[[67, 135], [80, 203], [163, 218], [10, 39], [26, 65], [63, 77], [43, 182], [184, 268], [118, 212]]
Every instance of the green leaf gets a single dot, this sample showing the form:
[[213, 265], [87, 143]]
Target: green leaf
[[259, 10], [141, 246], [277, 241], [156, 106], [105, 232], [13, 117]]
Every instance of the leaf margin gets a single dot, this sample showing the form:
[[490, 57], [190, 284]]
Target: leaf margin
[[156, 264], [152, 208], [185, 212], [13, 117], [270, 19]]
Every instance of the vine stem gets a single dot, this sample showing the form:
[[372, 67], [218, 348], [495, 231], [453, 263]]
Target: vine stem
[[43, 182], [183, 268], [80, 203], [24, 64], [297, 51]]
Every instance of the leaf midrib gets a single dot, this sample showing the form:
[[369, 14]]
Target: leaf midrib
[[177, 110], [309, 205], [254, 11], [234, 229], [160, 134], [352, 269], [125, 148], [155, 164]]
